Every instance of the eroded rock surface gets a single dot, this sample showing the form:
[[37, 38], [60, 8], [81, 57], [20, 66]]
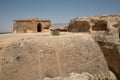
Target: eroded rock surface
[[106, 31], [79, 26], [34, 57]]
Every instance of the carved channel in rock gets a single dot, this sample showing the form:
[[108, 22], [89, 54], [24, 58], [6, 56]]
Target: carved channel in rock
[[112, 57]]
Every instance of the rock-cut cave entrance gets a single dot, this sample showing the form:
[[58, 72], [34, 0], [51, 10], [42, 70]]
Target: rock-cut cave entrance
[[39, 27]]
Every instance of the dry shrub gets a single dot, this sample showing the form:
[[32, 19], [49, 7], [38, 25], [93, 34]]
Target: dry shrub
[[55, 32]]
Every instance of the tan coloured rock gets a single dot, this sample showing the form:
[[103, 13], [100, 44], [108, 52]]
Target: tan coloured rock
[[106, 31], [34, 58], [73, 76], [83, 76]]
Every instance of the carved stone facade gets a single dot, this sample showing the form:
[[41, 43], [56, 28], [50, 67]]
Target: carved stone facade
[[30, 25]]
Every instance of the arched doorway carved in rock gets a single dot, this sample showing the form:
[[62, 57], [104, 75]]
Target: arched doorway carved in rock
[[39, 27]]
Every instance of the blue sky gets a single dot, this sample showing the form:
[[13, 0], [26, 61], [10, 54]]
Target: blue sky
[[59, 11]]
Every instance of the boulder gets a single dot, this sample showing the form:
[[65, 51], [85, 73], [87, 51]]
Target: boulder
[[39, 57]]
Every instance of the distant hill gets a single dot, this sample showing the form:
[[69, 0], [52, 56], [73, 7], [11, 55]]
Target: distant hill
[[5, 32], [58, 25]]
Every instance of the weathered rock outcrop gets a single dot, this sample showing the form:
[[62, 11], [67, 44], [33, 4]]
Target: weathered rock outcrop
[[88, 25], [35, 58], [97, 23], [106, 31], [82, 76]]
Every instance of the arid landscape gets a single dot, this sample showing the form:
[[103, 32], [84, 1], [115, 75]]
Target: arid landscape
[[86, 48]]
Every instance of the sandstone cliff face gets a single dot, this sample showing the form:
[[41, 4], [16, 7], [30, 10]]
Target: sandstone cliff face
[[35, 57], [106, 31], [109, 42], [98, 23]]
